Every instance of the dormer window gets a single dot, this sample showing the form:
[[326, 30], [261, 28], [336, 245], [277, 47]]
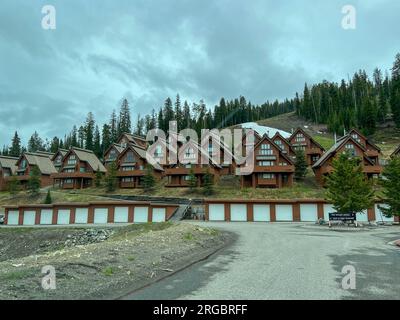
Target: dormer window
[[266, 150], [71, 160]]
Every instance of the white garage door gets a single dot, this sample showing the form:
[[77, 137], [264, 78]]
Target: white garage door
[[308, 212], [284, 212], [63, 216], [238, 212], [81, 215], [121, 214], [379, 214], [29, 218], [261, 213], [362, 216], [46, 216], [13, 218], [158, 214], [216, 212], [100, 215], [328, 208], [141, 215]]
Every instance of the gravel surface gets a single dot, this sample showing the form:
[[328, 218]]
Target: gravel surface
[[99, 263], [289, 261]]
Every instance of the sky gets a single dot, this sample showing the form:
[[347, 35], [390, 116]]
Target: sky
[[146, 50]]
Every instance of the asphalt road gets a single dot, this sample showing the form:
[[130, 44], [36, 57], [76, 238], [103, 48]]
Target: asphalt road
[[289, 261]]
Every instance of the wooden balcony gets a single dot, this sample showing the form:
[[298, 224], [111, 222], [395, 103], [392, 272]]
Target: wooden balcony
[[131, 173], [372, 169], [73, 175], [187, 171], [272, 169], [372, 153]]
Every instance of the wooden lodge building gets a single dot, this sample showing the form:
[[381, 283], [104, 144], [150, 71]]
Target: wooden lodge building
[[301, 140], [132, 165], [356, 145], [273, 168], [8, 168], [78, 169], [28, 160]]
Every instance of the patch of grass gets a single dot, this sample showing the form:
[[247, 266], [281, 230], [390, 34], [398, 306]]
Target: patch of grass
[[188, 236], [326, 142], [15, 275], [109, 271], [135, 230]]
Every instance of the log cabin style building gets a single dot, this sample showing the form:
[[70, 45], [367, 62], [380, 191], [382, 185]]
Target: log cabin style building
[[132, 166], [112, 153], [27, 161], [8, 168], [58, 157], [190, 154], [78, 169], [284, 145], [301, 140], [128, 138], [357, 146], [272, 167]]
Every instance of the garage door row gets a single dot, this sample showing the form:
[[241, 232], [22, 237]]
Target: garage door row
[[275, 212], [87, 215]]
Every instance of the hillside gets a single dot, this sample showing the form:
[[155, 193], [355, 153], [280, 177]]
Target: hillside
[[387, 136]]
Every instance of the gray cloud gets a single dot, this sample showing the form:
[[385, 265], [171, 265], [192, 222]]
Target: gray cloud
[[147, 50]]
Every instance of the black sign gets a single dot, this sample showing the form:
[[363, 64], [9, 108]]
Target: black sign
[[342, 217]]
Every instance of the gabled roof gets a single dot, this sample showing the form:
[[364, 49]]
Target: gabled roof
[[133, 138], [63, 152], [278, 135], [9, 163], [89, 157], [396, 152], [306, 135], [116, 146], [45, 153], [368, 141], [197, 148], [42, 161], [267, 138], [142, 154], [332, 151]]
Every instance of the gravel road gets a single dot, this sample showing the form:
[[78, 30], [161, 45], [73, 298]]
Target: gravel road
[[289, 261]]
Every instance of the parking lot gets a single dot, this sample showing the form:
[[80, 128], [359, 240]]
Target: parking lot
[[289, 261]]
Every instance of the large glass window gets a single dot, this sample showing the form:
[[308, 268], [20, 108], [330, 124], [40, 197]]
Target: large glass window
[[266, 150], [72, 160], [130, 157]]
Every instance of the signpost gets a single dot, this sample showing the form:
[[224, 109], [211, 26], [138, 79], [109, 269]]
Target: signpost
[[343, 217]]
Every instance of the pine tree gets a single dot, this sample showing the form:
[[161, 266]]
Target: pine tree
[[89, 132], [106, 138], [48, 199], [347, 187], [13, 185], [15, 150], [35, 143], [97, 143], [34, 183], [208, 183], [114, 127], [300, 165], [98, 179], [192, 179], [111, 178], [391, 185], [55, 145], [124, 123], [149, 180]]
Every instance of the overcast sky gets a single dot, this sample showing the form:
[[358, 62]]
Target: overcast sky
[[147, 50]]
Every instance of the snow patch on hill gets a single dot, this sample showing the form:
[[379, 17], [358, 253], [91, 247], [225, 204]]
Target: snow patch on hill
[[261, 130]]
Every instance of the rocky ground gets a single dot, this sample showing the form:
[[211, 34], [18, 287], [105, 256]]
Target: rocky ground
[[98, 263]]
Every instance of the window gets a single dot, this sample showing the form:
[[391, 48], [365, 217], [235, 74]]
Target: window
[[130, 157], [351, 149], [141, 167], [158, 152], [68, 181], [356, 137], [83, 169], [266, 150], [300, 138], [279, 143], [113, 154], [300, 148], [130, 168], [189, 154], [72, 160], [266, 163], [186, 178], [283, 164], [69, 170], [128, 179], [188, 166], [23, 163], [267, 176], [58, 159]]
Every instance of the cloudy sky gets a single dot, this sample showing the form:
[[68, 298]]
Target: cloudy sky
[[146, 50]]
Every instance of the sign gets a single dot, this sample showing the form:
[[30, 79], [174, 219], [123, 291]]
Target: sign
[[345, 217]]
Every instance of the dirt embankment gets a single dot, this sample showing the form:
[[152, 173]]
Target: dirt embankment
[[120, 260]]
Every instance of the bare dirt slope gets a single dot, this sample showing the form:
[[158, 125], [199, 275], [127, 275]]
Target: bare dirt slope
[[130, 258]]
